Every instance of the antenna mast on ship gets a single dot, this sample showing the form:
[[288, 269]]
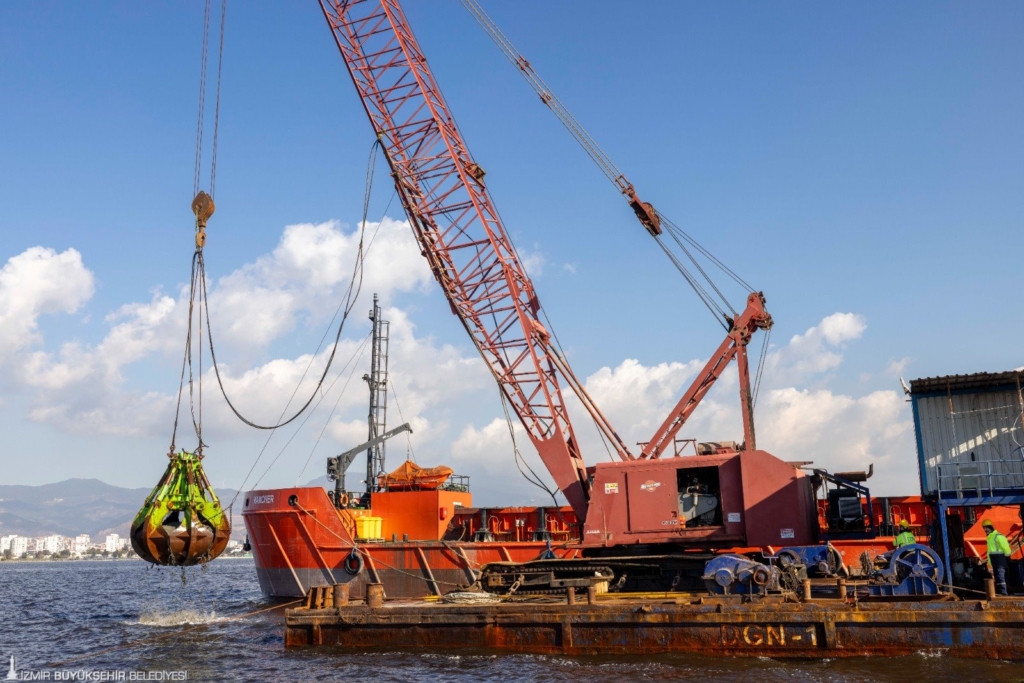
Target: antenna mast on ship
[[377, 381]]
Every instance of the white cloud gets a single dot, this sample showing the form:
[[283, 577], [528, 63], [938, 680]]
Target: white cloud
[[533, 260], [896, 367], [635, 397], [81, 388], [35, 282], [486, 454], [843, 433], [308, 272], [816, 351], [794, 422]]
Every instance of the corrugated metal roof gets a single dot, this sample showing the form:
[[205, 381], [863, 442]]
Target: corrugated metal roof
[[978, 381]]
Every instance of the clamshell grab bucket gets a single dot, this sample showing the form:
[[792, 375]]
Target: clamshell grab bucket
[[182, 522]]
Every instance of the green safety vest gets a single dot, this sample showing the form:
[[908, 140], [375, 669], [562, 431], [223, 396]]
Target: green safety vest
[[904, 538], [998, 545]]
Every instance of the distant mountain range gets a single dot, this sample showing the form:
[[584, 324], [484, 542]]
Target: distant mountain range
[[80, 506]]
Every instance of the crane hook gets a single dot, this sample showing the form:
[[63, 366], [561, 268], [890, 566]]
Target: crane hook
[[203, 207]]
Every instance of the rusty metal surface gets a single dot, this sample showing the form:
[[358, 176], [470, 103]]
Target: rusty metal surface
[[967, 629]]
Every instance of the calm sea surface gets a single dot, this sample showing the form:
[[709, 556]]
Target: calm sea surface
[[134, 618]]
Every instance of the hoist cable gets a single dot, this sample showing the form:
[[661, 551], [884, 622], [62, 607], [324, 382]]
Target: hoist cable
[[348, 302], [185, 357], [355, 364], [353, 361], [408, 435], [199, 375], [202, 96], [603, 161], [270, 436], [716, 311], [665, 221], [701, 270], [519, 459], [327, 331], [761, 362], [547, 96], [216, 108]]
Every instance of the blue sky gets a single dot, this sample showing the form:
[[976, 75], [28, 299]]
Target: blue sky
[[859, 159]]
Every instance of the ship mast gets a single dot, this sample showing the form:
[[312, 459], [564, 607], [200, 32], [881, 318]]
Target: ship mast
[[377, 381]]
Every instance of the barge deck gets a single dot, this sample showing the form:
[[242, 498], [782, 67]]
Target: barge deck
[[990, 629]]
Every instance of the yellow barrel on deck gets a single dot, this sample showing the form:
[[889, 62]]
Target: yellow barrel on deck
[[368, 527]]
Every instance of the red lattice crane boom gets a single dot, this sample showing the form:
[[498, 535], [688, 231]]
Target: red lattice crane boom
[[460, 233], [646, 500]]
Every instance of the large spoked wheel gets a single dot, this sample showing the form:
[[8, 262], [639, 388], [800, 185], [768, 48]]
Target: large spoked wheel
[[918, 563]]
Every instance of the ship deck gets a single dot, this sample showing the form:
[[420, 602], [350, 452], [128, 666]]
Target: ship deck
[[658, 623]]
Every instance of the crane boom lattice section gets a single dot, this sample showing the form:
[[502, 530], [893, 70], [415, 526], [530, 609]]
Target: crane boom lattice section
[[457, 226]]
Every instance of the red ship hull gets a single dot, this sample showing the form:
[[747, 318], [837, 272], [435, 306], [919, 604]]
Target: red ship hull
[[306, 543]]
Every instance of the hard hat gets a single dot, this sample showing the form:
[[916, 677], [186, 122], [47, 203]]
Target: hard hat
[[904, 523], [988, 523]]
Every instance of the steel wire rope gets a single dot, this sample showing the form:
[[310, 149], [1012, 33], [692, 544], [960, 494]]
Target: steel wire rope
[[548, 97], [518, 457], [703, 250], [408, 435], [598, 156], [348, 302], [216, 108], [700, 269], [197, 422], [186, 361], [557, 347], [271, 435], [199, 375], [353, 361], [327, 422], [716, 311], [761, 361], [202, 97]]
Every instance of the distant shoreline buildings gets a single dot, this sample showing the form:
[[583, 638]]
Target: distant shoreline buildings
[[16, 547], [54, 546]]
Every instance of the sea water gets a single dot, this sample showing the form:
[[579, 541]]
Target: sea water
[[125, 620]]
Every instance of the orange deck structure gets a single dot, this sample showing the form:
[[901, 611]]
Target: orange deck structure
[[300, 540], [433, 542]]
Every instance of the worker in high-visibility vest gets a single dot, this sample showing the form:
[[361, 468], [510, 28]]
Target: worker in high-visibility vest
[[998, 555], [905, 537]]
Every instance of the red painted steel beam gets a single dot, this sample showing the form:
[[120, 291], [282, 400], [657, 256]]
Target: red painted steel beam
[[459, 231], [754, 317]]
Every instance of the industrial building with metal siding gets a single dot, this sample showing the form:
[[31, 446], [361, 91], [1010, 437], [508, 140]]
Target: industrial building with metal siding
[[969, 438]]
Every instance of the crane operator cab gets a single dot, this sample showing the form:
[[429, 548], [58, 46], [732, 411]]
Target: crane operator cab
[[699, 497], [728, 497]]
